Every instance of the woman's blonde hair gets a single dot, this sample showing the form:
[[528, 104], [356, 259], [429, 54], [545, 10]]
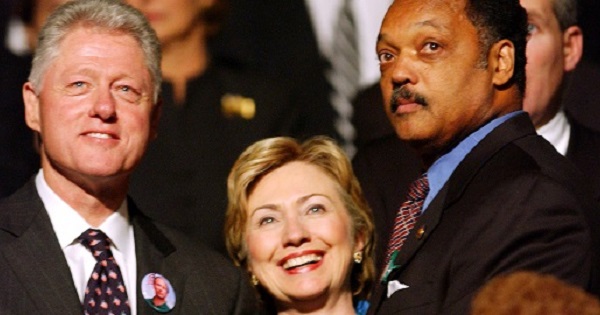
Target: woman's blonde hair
[[263, 157]]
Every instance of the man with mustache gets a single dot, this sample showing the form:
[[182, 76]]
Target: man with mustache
[[494, 197]]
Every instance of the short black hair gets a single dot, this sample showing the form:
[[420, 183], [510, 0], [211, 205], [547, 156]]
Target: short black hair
[[501, 19]]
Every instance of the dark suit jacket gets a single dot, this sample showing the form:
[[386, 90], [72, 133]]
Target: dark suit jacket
[[584, 152], [37, 280], [581, 96], [513, 203], [385, 169]]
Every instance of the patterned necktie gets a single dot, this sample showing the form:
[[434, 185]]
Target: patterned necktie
[[345, 74], [105, 292], [407, 214]]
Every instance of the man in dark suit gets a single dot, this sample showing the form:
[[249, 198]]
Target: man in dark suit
[[554, 49], [497, 197], [92, 97]]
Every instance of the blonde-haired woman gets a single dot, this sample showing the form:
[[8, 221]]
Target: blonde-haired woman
[[298, 222]]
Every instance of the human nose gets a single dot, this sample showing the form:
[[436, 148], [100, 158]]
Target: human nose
[[403, 71], [104, 106], [295, 232]]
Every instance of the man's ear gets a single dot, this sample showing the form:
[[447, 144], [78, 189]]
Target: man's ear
[[572, 47], [155, 118], [502, 60], [32, 107]]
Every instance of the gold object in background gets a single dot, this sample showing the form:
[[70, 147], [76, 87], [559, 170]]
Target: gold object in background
[[237, 105]]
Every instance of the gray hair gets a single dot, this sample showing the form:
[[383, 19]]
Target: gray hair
[[566, 12], [112, 15]]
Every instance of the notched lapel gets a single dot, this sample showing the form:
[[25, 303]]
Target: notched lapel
[[424, 226], [37, 261], [152, 248]]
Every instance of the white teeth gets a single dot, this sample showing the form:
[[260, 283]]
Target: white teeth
[[302, 260], [99, 135]]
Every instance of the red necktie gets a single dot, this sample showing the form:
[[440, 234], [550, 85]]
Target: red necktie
[[406, 216], [105, 292]]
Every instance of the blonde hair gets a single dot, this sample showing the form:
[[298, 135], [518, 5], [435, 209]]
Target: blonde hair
[[263, 157]]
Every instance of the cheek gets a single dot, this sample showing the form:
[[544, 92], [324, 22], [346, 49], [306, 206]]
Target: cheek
[[260, 247]]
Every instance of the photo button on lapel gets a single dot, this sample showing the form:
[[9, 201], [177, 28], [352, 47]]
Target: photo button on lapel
[[158, 292]]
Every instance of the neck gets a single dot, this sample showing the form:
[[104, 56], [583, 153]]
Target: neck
[[190, 47], [341, 304], [94, 198]]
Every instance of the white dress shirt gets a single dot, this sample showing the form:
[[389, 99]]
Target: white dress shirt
[[368, 15], [558, 132], [68, 225]]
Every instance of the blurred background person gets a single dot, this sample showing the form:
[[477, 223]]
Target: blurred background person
[[212, 110], [323, 48], [531, 293], [554, 49], [20, 23], [298, 223]]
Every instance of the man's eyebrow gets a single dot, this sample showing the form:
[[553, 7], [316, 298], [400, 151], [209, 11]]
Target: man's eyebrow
[[427, 23]]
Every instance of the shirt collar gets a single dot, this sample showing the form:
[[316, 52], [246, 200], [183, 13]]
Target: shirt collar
[[557, 131], [441, 170], [68, 224]]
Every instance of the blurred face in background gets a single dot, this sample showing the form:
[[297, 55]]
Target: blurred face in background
[[550, 53], [173, 19]]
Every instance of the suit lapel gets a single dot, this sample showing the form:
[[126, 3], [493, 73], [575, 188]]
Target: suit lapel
[[36, 257], [514, 128], [151, 250], [517, 127]]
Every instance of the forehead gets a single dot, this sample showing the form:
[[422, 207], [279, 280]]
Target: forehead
[[539, 8], [85, 45], [442, 14]]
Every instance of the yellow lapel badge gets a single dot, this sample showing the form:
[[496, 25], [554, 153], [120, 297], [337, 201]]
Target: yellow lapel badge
[[238, 106]]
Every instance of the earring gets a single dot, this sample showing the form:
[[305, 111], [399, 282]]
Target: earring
[[254, 280], [358, 257]]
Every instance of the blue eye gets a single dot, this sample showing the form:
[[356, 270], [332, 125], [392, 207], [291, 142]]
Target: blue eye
[[531, 28], [316, 209], [266, 220], [78, 84]]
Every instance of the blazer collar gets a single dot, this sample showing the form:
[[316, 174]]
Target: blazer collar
[[515, 128], [34, 254]]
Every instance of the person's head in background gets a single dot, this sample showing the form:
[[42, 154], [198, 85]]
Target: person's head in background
[[184, 28], [530, 293], [554, 48], [33, 14], [298, 222]]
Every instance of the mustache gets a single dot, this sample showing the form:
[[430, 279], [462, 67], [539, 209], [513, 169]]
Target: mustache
[[403, 93]]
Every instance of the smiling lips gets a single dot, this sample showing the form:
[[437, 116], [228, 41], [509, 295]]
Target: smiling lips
[[100, 135], [302, 262]]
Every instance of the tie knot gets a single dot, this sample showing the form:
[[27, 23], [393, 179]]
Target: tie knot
[[97, 242], [419, 188]]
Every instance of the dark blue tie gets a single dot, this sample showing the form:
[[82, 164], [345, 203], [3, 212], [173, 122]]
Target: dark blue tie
[[105, 292]]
